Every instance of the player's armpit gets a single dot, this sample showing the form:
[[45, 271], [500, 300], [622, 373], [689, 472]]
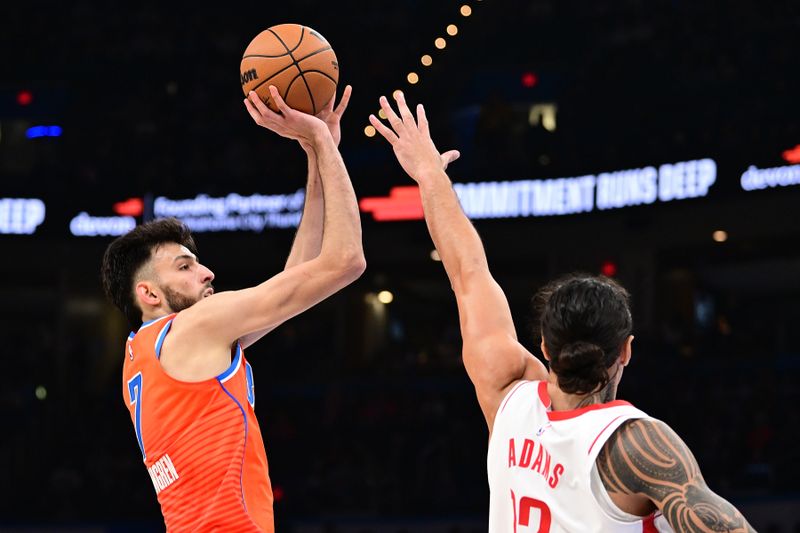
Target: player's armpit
[[647, 458], [493, 357]]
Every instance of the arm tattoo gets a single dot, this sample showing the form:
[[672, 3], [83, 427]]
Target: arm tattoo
[[647, 457]]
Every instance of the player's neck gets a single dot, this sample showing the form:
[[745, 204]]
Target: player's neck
[[563, 401]]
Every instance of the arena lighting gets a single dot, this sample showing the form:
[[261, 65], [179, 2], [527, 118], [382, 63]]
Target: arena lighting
[[385, 297], [381, 113], [440, 43], [369, 131], [720, 236], [40, 392], [529, 80], [43, 131], [608, 269], [560, 196], [24, 98], [403, 203], [21, 216], [132, 207], [435, 255], [792, 155]]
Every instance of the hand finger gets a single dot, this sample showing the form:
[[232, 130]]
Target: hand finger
[[260, 106], [408, 118], [387, 133], [422, 120], [391, 116], [344, 100], [449, 157], [279, 103], [252, 110]]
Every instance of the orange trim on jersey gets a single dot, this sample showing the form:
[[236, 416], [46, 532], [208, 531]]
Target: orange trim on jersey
[[572, 413]]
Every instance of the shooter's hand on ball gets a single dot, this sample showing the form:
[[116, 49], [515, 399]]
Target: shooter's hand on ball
[[332, 116], [411, 141], [290, 123]]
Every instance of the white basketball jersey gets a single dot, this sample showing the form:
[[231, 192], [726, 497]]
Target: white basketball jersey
[[541, 465]]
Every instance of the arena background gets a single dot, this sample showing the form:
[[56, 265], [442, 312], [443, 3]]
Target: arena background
[[369, 420]]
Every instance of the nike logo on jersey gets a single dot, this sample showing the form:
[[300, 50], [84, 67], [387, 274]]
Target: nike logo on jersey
[[163, 473], [524, 458]]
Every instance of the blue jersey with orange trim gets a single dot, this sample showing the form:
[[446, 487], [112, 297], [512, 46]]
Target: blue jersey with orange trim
[[200, 442]]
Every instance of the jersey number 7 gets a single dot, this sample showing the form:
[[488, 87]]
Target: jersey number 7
[[135, 395]]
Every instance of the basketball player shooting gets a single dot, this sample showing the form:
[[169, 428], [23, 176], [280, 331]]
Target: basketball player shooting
[[186, 381], [564, 455]]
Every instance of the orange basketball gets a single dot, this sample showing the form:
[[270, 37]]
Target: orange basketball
[[297, 60]]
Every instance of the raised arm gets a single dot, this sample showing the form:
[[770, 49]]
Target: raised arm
[[308, 239], [493, 357], [219, 320], [646, 458]]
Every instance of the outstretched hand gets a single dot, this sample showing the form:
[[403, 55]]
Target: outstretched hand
[[289, 123], [411, 140]]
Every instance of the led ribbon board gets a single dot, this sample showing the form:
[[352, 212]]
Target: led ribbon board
[[234, 212], [560, 196]]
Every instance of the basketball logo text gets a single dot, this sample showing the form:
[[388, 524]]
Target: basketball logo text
[[249, 75]]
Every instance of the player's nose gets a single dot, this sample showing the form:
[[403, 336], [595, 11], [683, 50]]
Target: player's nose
[[208, 275]]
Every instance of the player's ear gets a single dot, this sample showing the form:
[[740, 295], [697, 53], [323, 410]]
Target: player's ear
[[544, 351], [627, 351], [147, 293]]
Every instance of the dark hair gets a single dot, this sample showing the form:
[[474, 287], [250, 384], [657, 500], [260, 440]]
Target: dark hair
[[127, 254], [584, 321]]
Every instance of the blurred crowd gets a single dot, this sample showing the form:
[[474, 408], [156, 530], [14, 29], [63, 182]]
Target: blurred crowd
[[350, 433]]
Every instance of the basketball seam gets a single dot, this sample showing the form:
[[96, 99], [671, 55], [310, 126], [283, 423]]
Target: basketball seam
[[290, 65], [297, 64], [323, 73], [302, 32]]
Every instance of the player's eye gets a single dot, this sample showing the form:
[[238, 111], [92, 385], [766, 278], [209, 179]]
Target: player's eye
[[184, 267]]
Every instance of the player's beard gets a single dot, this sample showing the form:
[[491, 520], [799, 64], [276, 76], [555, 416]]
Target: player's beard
[[177, 301]]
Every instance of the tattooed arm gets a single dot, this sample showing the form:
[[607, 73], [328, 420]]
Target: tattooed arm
[[646, 460]]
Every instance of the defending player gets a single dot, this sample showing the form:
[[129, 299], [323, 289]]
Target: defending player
[[563, 454], [186, 382]]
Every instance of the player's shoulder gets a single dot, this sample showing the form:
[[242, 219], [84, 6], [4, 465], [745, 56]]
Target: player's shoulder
[[643, 437]]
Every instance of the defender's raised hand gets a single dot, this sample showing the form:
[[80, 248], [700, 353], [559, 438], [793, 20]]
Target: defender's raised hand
[[411, 140], [289, 123]]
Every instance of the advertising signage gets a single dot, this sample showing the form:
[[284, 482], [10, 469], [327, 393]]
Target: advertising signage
[[256, 213]]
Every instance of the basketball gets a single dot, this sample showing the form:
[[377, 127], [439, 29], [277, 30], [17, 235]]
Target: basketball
[[297, 60]]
